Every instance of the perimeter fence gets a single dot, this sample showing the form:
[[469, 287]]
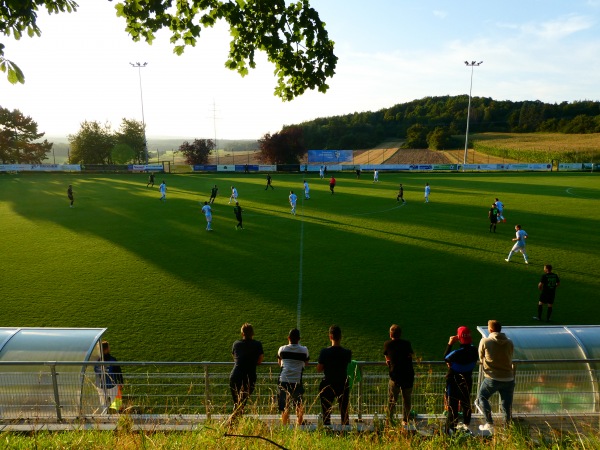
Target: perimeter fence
[[64, 391]]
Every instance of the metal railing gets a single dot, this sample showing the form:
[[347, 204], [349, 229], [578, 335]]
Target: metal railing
[[62, 391]]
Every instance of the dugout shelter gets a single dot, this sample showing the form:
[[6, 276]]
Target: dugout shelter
[[59, 386], [556, 368]]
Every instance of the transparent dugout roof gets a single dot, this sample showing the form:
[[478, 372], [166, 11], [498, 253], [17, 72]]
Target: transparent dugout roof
[[48, 344], [552, 341]]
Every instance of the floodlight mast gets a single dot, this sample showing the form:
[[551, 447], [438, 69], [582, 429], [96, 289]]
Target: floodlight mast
[[472, 65], [139, 67]]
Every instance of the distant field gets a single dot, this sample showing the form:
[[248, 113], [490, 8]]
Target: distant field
[[542, 142], [539, 147], [168, 290]]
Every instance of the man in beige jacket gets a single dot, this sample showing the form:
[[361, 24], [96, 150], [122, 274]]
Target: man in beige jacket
[[495, 355]]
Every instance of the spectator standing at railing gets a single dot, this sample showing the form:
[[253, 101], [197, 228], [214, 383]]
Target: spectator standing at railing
[[247, 354], [459, 379], [333, 363], [398, 356], [495, 354], [109, 379], [291, 358]]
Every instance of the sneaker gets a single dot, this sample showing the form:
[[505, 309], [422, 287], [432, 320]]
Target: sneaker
[[526, 262], [507, 260], [536, 318], [462, 427], [487, 427]]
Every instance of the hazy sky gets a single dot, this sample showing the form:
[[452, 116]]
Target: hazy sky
[[390, 51]]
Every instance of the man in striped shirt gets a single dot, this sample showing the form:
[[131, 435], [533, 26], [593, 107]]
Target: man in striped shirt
[[292, 358]]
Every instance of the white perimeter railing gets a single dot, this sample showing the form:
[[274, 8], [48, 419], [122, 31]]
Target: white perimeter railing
[[53, 392]]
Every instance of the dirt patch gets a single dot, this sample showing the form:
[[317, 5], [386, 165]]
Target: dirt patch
[[387, 155], [457, 157]]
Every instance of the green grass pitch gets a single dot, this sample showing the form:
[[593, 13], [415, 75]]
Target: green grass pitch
[[170, 291]]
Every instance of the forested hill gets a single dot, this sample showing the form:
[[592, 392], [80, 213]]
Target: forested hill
[[431, 121]]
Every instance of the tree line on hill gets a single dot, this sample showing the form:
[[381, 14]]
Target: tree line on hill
[[431, 122]]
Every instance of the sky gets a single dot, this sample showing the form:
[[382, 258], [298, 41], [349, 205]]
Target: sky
[[390, 52]]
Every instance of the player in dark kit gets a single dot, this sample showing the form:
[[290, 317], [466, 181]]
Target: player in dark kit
[[547, 285], [150, 180], [213, 194], [400, 194], [493, 215], [269, 185], [70, 195], [237, 210]]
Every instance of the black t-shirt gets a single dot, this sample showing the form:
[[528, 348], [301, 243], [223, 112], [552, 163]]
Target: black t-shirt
[[400, 352], [335, 362], [245, 356], [549, 283]]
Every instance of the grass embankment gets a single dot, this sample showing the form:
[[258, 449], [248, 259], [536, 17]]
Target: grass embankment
[[251, 434]]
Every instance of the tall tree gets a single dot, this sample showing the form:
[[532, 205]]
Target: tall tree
[[17, 135], [197, 152], [92, 144], [293, 36], [122, 154], [438, 138], [284, 147], [132, 134], [416, 137]]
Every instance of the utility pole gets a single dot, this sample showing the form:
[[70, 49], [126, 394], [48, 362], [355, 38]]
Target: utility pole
[[472, 65], [139, 67]]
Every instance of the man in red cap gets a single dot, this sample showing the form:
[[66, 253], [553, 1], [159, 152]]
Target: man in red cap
[[459, 379]]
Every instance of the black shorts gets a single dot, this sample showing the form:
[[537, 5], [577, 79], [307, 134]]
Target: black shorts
[[547, 299], [289, 394]]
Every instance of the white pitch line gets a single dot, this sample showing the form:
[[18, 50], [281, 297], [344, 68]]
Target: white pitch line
[[300, 278], [380, 211]]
